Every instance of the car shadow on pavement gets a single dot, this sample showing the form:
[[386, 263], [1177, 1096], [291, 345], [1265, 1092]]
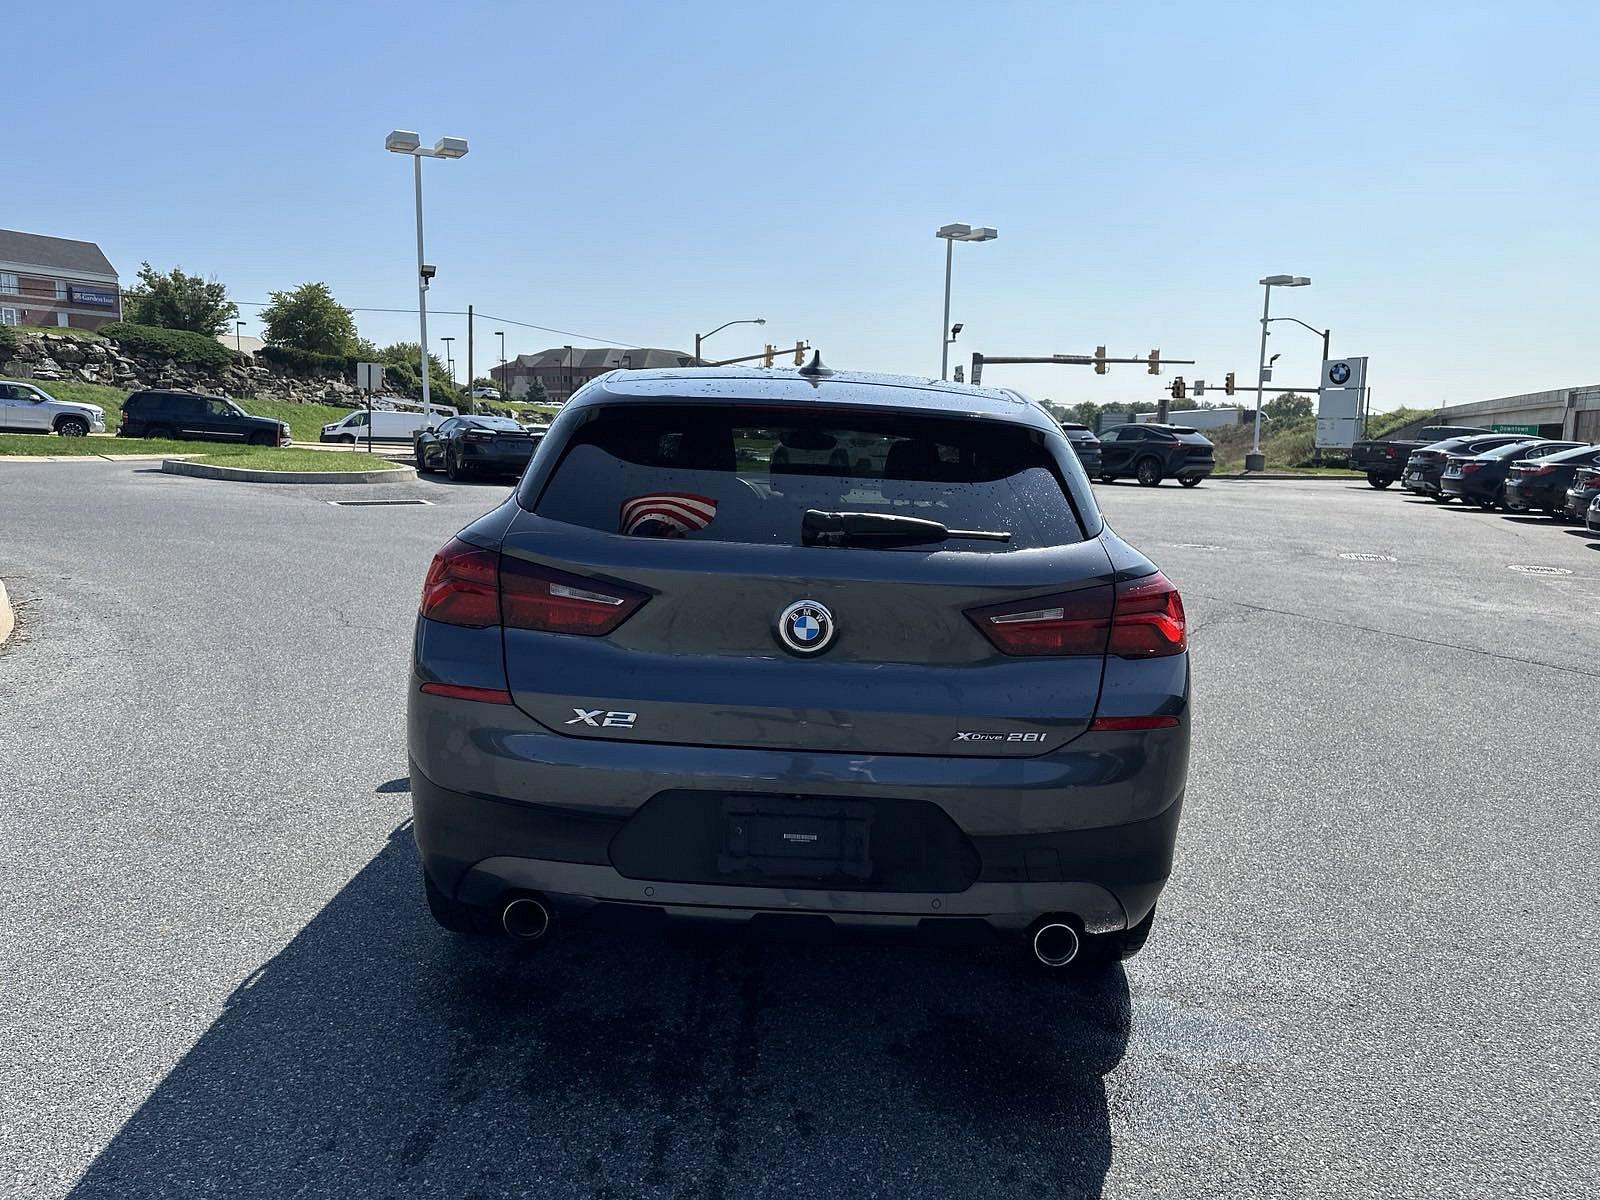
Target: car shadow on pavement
[[375, 1055]]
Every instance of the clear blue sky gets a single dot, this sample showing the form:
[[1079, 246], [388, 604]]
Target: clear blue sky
[[638, 172]]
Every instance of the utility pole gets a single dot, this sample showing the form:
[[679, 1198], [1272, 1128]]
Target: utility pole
[[469, 350]]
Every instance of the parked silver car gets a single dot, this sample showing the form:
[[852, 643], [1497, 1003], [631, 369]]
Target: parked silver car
[[25, 408]]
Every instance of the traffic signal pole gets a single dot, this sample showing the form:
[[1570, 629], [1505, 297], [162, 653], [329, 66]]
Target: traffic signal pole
[[1098, 361]]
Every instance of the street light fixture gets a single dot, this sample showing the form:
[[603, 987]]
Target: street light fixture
[[505, 383], [1255, 460], [952, 234], [700, 337], [449, 359], [238, 341], [404, 141]]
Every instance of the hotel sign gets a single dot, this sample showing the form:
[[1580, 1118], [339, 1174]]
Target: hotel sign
[[92, 297]]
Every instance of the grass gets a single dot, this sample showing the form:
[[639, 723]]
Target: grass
[[291, 458], [257, 458], [528, 412], [87, 335], [1291, 448], [34, 445]]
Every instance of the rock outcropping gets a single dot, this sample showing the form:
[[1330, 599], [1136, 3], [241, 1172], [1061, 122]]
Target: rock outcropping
[[47, 356]]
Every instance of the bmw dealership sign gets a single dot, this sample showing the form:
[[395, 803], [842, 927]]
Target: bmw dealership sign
[[1339, 402]]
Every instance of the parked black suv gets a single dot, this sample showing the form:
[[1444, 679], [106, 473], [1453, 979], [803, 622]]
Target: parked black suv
[[1151, 453], [166, 414], [1084, 443]]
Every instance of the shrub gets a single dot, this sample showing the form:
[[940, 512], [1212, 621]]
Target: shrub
[[8, 342], [309, 362], [177, 344]]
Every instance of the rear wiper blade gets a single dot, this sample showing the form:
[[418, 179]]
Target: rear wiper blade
[[818, 528]]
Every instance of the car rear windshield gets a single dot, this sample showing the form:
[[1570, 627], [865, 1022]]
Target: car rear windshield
[[745, 473]]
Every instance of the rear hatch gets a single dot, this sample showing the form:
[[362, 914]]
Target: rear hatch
[[686, 522], [503, 438], [1197, 449]]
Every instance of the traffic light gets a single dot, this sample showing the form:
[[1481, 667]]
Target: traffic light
[[1099, 360], [1155, 362], [1227, 383], [1178, 388], [771, 351], [799, 354]]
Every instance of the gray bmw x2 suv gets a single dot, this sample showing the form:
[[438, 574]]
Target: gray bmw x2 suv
[[768, 647]]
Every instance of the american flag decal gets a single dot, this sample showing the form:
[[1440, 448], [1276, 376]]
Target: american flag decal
[[666, 514]]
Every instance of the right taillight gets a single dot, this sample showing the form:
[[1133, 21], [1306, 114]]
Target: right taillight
[[1148, 620], [1064, 623], [471, 586], [1138, 618]]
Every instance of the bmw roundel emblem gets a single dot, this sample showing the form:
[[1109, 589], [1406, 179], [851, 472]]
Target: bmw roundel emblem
[[1339, 372], [805, 627]]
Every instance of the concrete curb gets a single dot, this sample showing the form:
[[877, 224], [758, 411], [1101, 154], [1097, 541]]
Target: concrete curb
[[178, 466], [1287, 477], [8, 620]]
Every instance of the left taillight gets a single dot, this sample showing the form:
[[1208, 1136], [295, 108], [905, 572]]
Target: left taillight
[[468, 585], [463, 586], [535, 597]]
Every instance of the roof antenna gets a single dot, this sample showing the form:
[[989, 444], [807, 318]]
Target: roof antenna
[[814, 369]]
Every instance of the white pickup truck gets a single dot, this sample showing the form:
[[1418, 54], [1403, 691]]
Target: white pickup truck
[[28, 409]]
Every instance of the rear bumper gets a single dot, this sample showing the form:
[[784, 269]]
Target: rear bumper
[[1195, 470], [502, 805], [487, 460], [1528, 496], [1578, 502], [1420, 482], [1464, 488]]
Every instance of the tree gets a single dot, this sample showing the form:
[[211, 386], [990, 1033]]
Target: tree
[[1288, 409], [409, 354], [309, 318], [174, 300]]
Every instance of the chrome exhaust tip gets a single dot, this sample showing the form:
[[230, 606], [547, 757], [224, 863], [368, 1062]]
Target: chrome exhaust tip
[[525, 919], [1056, 944]]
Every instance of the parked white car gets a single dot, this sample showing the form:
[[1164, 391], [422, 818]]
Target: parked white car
[[28, 409], [485, 393], [386, 426]]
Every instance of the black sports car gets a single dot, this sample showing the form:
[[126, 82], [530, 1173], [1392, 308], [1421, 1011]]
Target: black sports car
[[464, 446]]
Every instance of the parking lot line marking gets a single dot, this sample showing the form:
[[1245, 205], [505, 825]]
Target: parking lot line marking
[[374, 503]]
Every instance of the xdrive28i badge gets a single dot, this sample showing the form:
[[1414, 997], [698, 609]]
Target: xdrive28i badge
[[805, 627]]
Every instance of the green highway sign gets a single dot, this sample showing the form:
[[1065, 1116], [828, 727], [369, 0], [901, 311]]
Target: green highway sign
[[1528, 429]]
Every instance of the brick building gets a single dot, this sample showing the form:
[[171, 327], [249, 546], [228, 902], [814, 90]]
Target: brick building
[[565, 369], [53, 282]]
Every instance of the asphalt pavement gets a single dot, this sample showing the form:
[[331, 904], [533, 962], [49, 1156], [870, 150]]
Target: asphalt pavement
[[1373, 974]]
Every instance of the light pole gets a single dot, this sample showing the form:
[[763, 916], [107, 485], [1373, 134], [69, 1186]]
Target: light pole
[[700, 337], [505, 384], [404, 141], [1321, 333], [952, 234], [955, 332], [1255, 460], [449, 360], [238, 341]]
